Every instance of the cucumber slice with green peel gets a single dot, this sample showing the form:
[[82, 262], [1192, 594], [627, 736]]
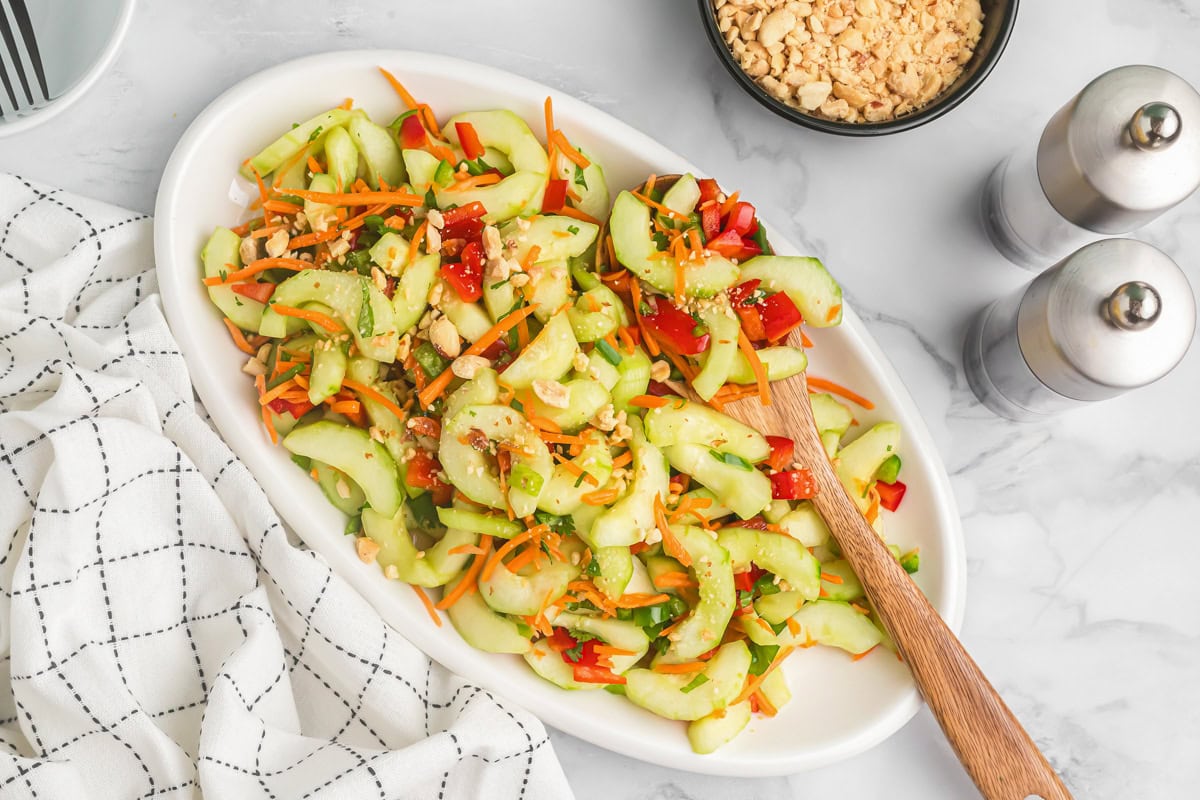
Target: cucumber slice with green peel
[[776, 553], [713, 570], [695, 423], [512, 593], [889, 470], [634, 379], [470, 319], [777, 510], [328, 371], [707, 734], [589, 183], [776, 608], [775, 688], [390, 254], [295, 140], [714, 510], [499, 298], [860, 460], [420, 166], [476, 522], [635, 249], [746, 491], [335, 484], [434, 567], [756, 629], [380, 153], [410, 299], [341, 158], [321, 216], [616, 566], [483, 628], [829, 414], [503, 200], [550, 290], [373, 329], [831, 442], [564, 491], [599, 370], [663, 693], [805, 280], [474, 474], [833, 623], [847, 587], [557, 238], [494, 159], [805, 525], [389, 427], [621, 634], [295, 171], [355, 453], [659, 565], [482, 390], [722, 351], [683, 196], [597, 313], [547, 357], [220, 257], [781, 362], [627, 520], [506, 132], [550, 665]]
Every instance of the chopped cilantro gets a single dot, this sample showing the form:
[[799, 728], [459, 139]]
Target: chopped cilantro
[[563, 525], [732, 460], [580, 180], [761, 656], [366, 314], [312, 137], [695, 683]]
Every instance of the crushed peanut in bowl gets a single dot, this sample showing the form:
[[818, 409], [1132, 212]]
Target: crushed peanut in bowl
[[852, 60]]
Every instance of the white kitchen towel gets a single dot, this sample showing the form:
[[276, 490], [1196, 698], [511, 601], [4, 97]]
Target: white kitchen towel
[[160, 636]]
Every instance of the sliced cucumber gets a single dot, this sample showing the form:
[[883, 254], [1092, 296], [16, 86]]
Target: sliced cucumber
[[343, 292], [746, 491], [565, 490], [220, 257], [550, 290], [411, 298], [829, 414], [709, 733], [335, 484], [775, 688], [341, 159], [483, 628], [321, 216], [292, 142], [663, 695], [387, 425], [379, 152], [628, 519], [805, 525], [683, 196], [780, 362], [430, 568], [859, 460], [513, 593], [714, 572], [482, 390], [807, 283], [597, 313], [557, 238], [550, 665], [472, 472], [616, 565], [695, 423], [589, 183], [421, 166], [776, 553], [714, 510], [722, 351], [328, 370], [491, 524], [833, 623], [776, 608], [547, 357], [847, 587], [635, 249], [503, 200], [506, 132], [470, 319], [619, 633], [355, 453], [634, 379]]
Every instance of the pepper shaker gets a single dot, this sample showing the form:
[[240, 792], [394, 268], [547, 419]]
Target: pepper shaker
[[1120, 153], [1115, 315]]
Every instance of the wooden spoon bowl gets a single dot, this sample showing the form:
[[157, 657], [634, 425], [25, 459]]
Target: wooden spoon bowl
[[995, 750]]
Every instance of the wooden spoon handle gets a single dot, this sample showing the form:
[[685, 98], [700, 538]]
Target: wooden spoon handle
[[996, 751]]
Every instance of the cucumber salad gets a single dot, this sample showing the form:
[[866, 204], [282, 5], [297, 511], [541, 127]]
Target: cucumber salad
[[512, 385]]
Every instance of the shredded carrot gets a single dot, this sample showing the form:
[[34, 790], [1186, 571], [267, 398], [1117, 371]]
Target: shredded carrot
[[825, 576], [649, 401], [542, 423], [612, 277], [560, 438], [414, 246], [309, 239], [659, 207], [509, 546], [755, 681], [804, 340], [833, 312], [756, 365], [260, 383], [471, 549], [474, 182], [674, 580], [680, 283], [622, 460], [244, 228], [600, 497], [648, 187], [792, 626], [729, 203], [239, 338], [522, 334], [282, 207], [271, 394], [262, 264], [640, 600], [439, 384], [548, 111], [529, 555], [374, 394], [263, 195], [569, 152], [267, 231], [765, 705], [575, 213], [576, 470], [348, 407], [408, 100], [359, 198], [324, 320], [469, 579], [860, 609], [425, 601], [314, 166], [670, 544], [838, 389], [685, 668], [863, 654], [609, 650], [667, 631], [347, 104]]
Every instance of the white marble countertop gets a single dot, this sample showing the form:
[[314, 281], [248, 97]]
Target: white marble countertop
[[1081, 532]]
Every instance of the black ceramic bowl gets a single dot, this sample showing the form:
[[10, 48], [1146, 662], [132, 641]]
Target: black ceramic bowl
[[998, 20]]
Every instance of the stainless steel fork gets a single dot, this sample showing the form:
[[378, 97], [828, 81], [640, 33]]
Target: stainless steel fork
[[20, 60]]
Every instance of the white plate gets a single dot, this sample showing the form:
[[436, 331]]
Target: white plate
[[839, 708]]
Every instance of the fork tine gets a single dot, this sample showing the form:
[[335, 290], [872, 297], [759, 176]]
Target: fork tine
[[35, 57], [7, 84], [7, 33]]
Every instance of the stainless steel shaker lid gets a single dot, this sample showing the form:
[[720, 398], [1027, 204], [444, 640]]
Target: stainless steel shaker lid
[[1124, 150], [1113, 316]]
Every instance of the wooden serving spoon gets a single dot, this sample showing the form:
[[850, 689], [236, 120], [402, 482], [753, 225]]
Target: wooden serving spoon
[[991, 744]]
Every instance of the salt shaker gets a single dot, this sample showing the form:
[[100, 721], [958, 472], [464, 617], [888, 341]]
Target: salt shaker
[[1120, 153], [1115, 315]]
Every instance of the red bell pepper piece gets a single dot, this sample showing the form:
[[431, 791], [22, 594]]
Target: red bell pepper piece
[[751, 322], [779, 316], [495, 349], [729, 244], [782, 452], [464, 222], [743, 582], [466, 276], [710, 220], [741, 219], [740, 295], [559, 640], [255, 291], [750, 249], [412, 132], [596, 674], [708, 190], [469, 140], [890, 494], [677, 328], [555, 197], [796, 484], [423, 472], [296, 409]]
